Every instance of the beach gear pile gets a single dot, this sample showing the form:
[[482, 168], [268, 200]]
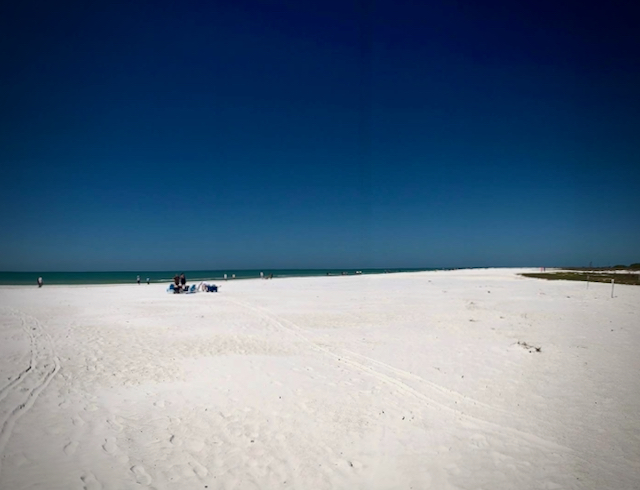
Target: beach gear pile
[[203, 286]]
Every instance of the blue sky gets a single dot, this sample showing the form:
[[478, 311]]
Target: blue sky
[[189, 135]]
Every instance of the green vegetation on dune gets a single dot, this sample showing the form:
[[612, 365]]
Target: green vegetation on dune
[[619, 278], [632, 267]]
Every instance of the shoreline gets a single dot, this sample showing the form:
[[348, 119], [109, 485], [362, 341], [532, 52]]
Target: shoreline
[[127, 277], [222, 281]]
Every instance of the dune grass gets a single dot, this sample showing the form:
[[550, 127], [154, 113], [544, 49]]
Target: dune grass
[[619, 278]]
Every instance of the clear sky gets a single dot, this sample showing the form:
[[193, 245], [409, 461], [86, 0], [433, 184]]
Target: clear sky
[[251, 134]]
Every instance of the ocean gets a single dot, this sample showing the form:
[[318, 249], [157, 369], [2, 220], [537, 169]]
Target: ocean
[[129, 277]]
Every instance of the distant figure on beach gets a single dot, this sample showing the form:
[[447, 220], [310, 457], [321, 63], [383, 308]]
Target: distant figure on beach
[[262, 275], [225, 277], [147, 281], [183, 280], [39, 282], [138, 279], [176, 283]]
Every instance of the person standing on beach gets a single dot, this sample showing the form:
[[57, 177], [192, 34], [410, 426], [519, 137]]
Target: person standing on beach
[[183, 280], [147, 281], [40, 282], [138, 279]]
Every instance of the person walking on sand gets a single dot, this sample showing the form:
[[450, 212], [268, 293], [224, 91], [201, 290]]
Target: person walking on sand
[[40, 282], [138, 279]]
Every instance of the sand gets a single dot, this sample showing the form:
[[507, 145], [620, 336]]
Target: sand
[[395, 381]]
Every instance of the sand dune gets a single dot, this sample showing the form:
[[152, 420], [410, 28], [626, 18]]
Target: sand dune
[[399, 381]]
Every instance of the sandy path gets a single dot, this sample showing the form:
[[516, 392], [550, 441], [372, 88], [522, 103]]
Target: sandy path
[[391, 381]]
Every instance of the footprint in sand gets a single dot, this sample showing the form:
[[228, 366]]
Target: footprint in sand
[[18, 459], [198, 469], [77, 421], [90, 482], [110, 445], [115, 425], [478, 441], [142, 477], [70, 448]]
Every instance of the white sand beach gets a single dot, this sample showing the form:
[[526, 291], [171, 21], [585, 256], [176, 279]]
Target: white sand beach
[[393, 381]]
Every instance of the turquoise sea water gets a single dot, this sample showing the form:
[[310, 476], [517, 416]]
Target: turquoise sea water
[[129, 277]]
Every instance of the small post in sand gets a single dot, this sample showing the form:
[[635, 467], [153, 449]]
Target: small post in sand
[[612, 282]]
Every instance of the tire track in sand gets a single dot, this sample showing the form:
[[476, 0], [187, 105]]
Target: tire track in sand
[[16, 379], [19, 395], [485, 420], [405, 389]]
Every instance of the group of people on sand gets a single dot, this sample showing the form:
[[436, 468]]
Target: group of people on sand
[[179, 283]]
